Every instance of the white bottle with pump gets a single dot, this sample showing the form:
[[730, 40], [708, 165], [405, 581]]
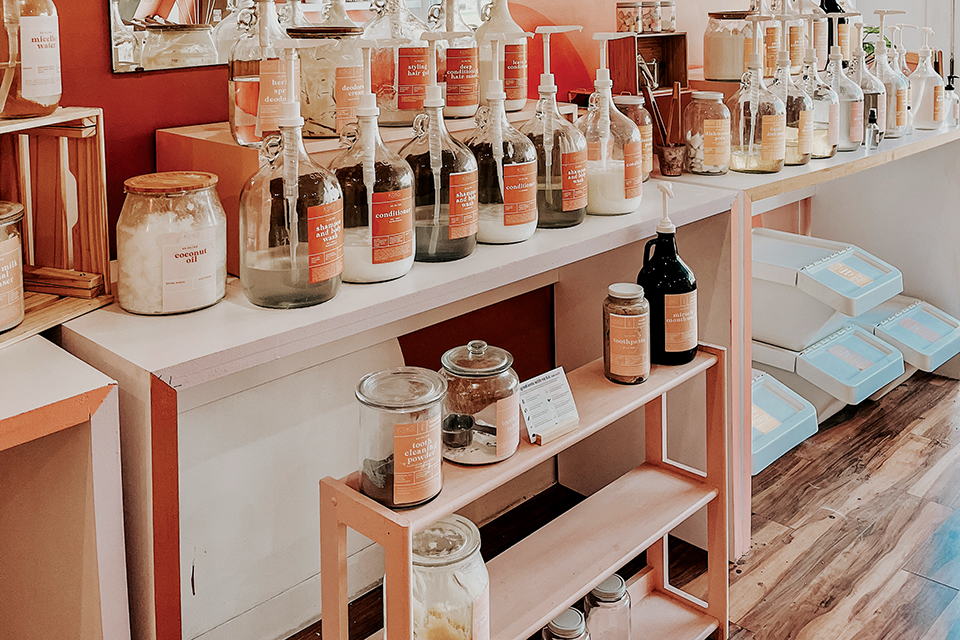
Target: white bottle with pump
[[895, 85], [614, 147], [513, 69], [926, 87], [826, 102], [874, 91], [852, 116]]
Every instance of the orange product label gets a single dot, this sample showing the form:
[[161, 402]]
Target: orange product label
[[413, 69], [805, 133], [515, 71], [347, 94], [464, 206], [902, 107], [391, 223], [882, 114], [508, 424], [774, 142], [325, 225], [646, 136], [273, 93], [844, 37], [716, 142], [11, 281], [463, 77], [633, 169], [680, 321], [797, 45], [747, 50], [920, 330], [938, 104], [630, 345], [856, 122], [833, 132], [520, 197], [573, 169], [851, 357], [850, 274], [416, 461], [821, 40], [763, 421], [481, 616], [772, 42]]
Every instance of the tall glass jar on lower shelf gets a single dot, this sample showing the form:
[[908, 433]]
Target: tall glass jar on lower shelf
[[706, 127], [11, 266]]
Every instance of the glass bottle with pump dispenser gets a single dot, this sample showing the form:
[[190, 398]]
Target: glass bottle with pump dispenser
[[561, 151], [462, 77], [377, 196], [904, 69], [445, 179], [507, 164], [291, 220], [840, 35], [826, 105], [874, 91], [895, 85], [799, 105], [257, 79], [30, 83], [793, 39], [230, 29], [851, 96], [757, 120], [614, 147], [513, 64], [926, 88]]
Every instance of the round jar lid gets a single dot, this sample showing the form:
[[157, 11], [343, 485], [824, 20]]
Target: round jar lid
[[179, 27], [625, 290], [10, 212], [447, 541], [627, 5], [708, 95], [403, 388], [169, 182], [731, 15], [611, 589], [324, 32], [476, 360], [629, 100], [650, 3], [568, 624]]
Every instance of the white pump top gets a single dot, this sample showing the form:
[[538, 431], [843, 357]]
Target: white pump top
[[548, 84], [901, 26], [810, 54], [665, 226], [434, 96], [495, 85], [836, 53], [290, 110], [783, 56], [883, 17], [603, 73], [368, 100], [756, 61], [925, 49]]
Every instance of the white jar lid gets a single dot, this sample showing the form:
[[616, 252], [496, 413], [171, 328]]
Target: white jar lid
[[625, 290], [568, 624], [708, 95]]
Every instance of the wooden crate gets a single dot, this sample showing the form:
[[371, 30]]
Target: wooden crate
[[668, 49], [54, 165]]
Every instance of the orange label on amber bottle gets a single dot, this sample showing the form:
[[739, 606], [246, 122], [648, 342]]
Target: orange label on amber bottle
[[573, 168], [520, 197], [416, 461], [273, 93], [463, 77], [347, 94], [630, 345], [716, 142], [325, 225], [391, 224], [515, 71], [464, 206], [938, 104], [856, 121], [646, 137], [680, 321], [412, 71], [11, 281], [774, 132], [633, 169], [508, 425], [805, 133], [902, 107]]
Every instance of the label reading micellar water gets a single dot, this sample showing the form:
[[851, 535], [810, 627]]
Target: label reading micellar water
[[40, 56], [189, 270]]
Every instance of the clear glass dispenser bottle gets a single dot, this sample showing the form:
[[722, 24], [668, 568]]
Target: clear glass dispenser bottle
[[230, 29], [30, 83], [897, 62], [874, 91], [633, 108], [462, 77], [850, 94], [507, 162], [607, 609], [926, 88], [561, 152], [445, 180], [895, 85], [799, 132], [377, 196], [513, 68], [826, 104]]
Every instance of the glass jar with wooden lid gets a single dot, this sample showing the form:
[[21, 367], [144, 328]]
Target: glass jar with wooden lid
[[11, 266]]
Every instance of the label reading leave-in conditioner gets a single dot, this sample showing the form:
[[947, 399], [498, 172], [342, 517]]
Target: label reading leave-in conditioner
[[633, 170], [463, 77], [464, 206], [629, 345], [680, 321], [39, 56], [412, 71], [573, 168], [189, 266], [515, 71], [520, 193], [392, 226], [416, 461], [325, 225]]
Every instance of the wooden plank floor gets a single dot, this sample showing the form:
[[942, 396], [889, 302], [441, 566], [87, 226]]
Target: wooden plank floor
[[856, 532]]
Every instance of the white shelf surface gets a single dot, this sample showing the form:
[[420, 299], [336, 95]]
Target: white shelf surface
[[233, 335], [61, 115], [539, 577]]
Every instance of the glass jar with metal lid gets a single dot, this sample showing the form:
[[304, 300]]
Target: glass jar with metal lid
[[706, 130], [727, 40], [482, 411], [178, 45], [626, 334], [668, 16], [569, 625], [11, 266], [607, 610], [451, 591], [400, 435], [633, 108], [650, 16], [171, 243]]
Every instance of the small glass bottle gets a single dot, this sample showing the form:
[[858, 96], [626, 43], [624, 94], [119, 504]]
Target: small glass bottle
[[926, 89], [895, 87], [951, 105], [668, 16], [230, 29], [11, 266], [561, 152], [513, 70], [874, 135], [633, 108], [257, 80], [650, 16], [32, 85], [451, 588], [607, 609], [851, 102], [626, 334], [800, 114], [400, 432], [826, 108], [874, 91], [706, 126], [462, 77], [569, 625]]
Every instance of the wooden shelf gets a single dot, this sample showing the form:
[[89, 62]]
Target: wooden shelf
[[657, 615]]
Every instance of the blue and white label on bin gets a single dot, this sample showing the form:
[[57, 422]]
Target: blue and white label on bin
[[926, 336], [780, 419]]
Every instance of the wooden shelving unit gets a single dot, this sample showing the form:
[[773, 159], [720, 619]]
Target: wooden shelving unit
[[545, 573]]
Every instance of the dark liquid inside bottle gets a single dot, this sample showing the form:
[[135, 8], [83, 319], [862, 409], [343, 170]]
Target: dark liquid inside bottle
[[665, 274], [355, 212], [446, 248], [552, 215]]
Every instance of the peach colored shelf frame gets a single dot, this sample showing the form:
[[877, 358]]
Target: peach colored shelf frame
[[632, 514]]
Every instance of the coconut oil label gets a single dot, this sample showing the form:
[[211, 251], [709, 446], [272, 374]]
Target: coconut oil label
[[11, 280], [463, 77], [416, 456], [938, 104], [805, 133], [325, 225], [481, 616], [413, 69], [680, 321], [391, 224], [633, 169], [716, 141], [573, 167], [902, 107], [273, 93], [515, 71], [629, 345], [774, 132], [40, 56], [508, 424], [833, 123], [189, 269], [464, 206], [646, 136], [856, 121], [520, 193], [763, 421], [347, 94]]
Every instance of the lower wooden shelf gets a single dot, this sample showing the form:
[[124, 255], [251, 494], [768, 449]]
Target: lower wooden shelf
[[44, 311], [657, 615]]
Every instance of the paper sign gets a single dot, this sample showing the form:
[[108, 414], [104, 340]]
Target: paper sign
[[546, 403]]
